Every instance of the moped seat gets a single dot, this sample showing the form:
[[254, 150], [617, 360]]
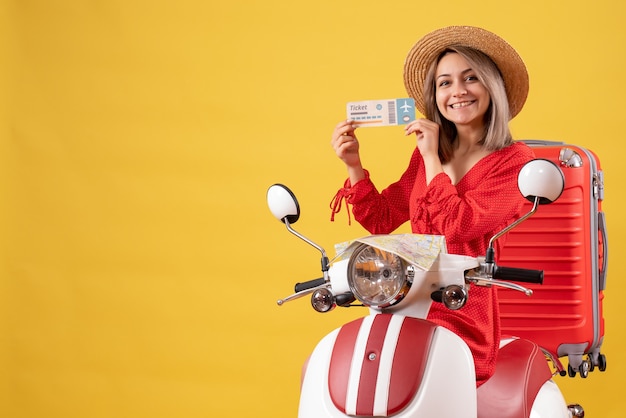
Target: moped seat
[[521, 371]]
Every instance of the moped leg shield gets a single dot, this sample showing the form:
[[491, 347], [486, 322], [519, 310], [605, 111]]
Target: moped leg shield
[[389, 365]]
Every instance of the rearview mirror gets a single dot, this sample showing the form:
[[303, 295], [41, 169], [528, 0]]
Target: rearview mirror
[[283, 203], [541, 179]]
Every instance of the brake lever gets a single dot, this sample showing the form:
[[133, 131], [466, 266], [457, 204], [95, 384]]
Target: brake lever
[[300, 294], [488, 282]]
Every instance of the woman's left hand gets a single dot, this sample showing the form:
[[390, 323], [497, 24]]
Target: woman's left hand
[[427, 133]]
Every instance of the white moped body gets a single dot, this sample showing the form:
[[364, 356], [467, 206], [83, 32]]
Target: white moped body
[[395, 363]]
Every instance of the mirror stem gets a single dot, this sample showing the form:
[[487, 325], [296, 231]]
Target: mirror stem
[[325, 261], [490, 256]]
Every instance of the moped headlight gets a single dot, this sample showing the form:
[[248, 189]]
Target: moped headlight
[[378, 278]]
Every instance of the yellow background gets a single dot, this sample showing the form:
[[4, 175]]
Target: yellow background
[[140, 266]]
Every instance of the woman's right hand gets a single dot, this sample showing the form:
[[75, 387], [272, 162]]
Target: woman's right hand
[[346, 144]]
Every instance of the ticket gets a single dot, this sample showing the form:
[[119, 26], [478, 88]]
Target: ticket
[[386, 112]]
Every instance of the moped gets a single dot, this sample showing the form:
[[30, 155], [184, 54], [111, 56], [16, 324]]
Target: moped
[[393, 362]]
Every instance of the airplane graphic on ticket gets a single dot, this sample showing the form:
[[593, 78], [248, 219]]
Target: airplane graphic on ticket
[[386, 112]]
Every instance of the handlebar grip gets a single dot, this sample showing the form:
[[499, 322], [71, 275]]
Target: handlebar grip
[[309, 284], [518, 275]]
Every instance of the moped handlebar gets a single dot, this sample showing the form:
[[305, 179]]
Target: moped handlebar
[[490, 274], [518, 275], [310, 284]]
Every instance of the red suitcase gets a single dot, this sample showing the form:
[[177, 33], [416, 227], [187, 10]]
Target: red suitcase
[[567, 239]]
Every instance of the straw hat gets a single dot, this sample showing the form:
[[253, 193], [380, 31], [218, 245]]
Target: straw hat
[[427, 49]]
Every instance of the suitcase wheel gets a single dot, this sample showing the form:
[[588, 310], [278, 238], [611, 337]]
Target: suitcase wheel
[[602, 362], [597, 359], [584, 366], [583, 369]]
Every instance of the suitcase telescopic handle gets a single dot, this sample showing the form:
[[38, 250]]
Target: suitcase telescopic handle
[[542, 142], [518, 275]]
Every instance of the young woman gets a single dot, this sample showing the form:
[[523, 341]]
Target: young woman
[[461, 181]]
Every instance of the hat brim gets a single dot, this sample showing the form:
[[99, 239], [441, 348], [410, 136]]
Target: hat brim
[[428, 48]]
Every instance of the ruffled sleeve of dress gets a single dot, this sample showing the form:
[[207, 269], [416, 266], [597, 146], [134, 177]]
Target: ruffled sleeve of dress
[[349, 194], [379, 212]]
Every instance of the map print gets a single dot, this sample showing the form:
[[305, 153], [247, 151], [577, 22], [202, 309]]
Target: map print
[[418, 249]]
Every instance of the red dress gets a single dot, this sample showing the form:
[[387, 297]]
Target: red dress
[[468, 214]]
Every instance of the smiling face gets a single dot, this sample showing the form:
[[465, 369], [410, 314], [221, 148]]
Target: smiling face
[[461, 97]]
